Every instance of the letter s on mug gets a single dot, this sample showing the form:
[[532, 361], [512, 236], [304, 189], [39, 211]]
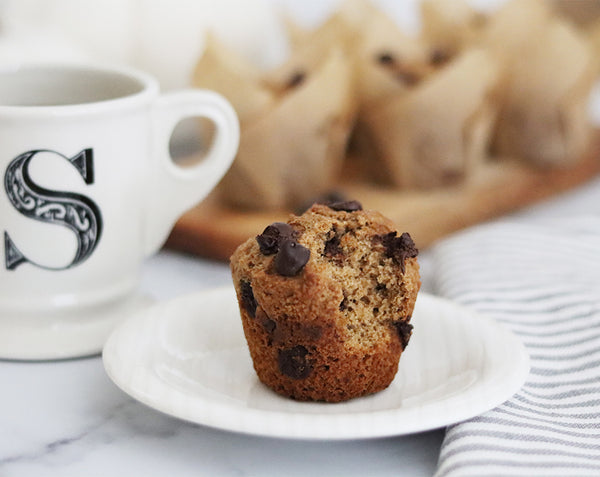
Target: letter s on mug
[[68, 209]]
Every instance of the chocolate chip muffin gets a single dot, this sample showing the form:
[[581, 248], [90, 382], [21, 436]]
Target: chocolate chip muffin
[[326, 301]]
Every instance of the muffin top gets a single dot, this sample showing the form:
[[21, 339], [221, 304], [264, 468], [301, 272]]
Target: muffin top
[[364, 269]]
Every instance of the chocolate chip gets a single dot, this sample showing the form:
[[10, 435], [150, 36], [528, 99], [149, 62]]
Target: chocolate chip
[[313, 333], [296, 79], [346, 206], [404, 329], [386, 58], [439, 56], [290, 258], [398, 248], [293, 363], [332, 248], [269, 325], [248, 300], [273, 235], [325, 199]]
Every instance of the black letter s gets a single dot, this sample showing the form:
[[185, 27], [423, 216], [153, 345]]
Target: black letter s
[[75, 211]]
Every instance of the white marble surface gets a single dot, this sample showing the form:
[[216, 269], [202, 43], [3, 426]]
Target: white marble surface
[[66, 418]]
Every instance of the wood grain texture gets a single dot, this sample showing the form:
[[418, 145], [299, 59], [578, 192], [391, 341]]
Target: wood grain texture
[[212, 230]]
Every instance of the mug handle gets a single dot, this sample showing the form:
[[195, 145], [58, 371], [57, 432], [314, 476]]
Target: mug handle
[[176, 189]]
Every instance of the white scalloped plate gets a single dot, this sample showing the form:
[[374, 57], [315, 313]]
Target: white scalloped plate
[[188, 358]]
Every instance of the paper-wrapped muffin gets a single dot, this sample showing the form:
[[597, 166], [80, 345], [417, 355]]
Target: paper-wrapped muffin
[[439, 132], [418, 125], [295, 122], [548, 73], [421, 111]]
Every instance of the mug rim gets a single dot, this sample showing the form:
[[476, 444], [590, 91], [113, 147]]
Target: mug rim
[[149, 89]]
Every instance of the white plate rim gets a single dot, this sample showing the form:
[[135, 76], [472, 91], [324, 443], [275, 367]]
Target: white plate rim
[[156, 394]]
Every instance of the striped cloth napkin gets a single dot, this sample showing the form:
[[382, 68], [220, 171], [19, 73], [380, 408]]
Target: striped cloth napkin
[[543, 282]]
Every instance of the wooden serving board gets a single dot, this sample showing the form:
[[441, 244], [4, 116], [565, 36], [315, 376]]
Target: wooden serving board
[[213, 230]]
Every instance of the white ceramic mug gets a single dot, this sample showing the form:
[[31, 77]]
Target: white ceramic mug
[[89, 191]]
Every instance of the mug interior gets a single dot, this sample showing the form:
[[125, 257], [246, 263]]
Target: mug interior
[[64, 85]]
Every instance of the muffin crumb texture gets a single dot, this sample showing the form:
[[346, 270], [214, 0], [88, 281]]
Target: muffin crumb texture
[[326, 301]]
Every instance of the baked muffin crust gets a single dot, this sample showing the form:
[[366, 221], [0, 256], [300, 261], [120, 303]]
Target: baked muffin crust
[[330, 323]]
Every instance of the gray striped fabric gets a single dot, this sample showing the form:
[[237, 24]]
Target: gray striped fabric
[[543, 282]]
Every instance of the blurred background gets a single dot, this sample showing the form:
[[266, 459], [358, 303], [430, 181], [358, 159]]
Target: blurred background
[[447, 99], [166, 37]]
